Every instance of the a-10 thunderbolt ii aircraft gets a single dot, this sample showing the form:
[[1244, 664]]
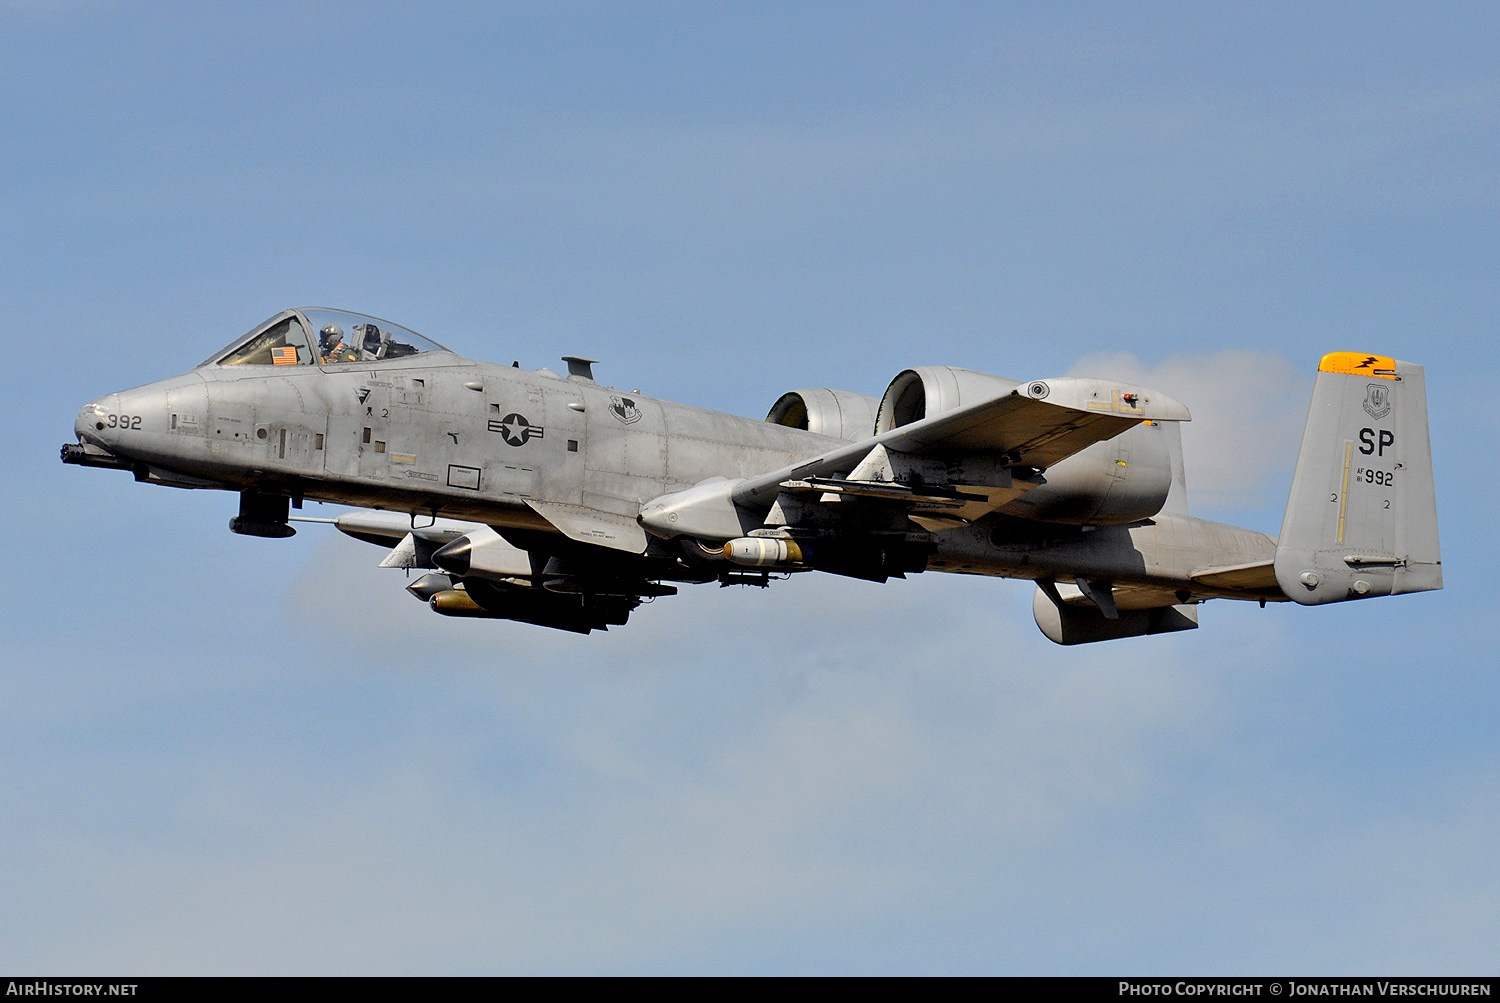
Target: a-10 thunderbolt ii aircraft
[[547, 498]]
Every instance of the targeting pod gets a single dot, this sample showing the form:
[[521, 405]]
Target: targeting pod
[[763, 552], [457, 602]]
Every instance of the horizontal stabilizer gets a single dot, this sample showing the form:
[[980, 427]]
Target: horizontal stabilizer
[[1254, 577]]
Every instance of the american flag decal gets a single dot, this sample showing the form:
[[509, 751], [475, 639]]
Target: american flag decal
[[286, 356]]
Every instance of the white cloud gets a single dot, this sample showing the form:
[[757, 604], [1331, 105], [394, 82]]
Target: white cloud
[[1248, 411]]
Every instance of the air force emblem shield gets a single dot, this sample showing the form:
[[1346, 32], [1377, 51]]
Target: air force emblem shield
[[1377, 400]]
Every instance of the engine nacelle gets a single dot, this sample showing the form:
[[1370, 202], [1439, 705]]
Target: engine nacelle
[[1117, 481], [928, 390], [839, 413]]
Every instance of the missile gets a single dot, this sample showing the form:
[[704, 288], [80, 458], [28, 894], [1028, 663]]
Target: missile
[[485, 553], [442, 594], [427, 586], [457, 602]]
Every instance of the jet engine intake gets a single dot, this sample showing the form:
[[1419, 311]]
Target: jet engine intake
[[928, 390], [842, 414]]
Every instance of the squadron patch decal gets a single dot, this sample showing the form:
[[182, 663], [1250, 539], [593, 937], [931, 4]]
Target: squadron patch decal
[[515, 429], [624, 409]]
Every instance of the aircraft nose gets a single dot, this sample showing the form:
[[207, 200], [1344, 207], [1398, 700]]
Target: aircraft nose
[[138, 428], [97, 418], [135, 420]]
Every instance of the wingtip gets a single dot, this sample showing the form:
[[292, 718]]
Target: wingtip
[[1106, 397]]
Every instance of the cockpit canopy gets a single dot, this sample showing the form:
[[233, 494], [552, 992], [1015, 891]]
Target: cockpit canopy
[[319, 336]]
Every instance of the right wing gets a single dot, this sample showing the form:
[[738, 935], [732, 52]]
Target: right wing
[[1032, 427]]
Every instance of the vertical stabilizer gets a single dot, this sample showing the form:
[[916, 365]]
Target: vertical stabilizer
[[1362, 517]]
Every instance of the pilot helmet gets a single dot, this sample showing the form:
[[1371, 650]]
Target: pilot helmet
[[331, 335]]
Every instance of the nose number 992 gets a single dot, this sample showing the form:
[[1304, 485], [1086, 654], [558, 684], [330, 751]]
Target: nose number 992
[[121, 421]]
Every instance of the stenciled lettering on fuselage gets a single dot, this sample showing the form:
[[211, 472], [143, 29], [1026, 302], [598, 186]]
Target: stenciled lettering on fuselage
[[515, 429]]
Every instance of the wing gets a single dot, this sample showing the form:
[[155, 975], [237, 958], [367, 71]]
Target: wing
[[998, 445]]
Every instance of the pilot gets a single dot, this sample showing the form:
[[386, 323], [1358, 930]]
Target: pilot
[[331, 341]]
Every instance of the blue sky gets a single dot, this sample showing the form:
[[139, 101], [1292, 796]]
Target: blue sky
[[224, 754]]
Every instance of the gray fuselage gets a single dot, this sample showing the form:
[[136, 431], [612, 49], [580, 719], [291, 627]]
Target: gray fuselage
[[443, 435]]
